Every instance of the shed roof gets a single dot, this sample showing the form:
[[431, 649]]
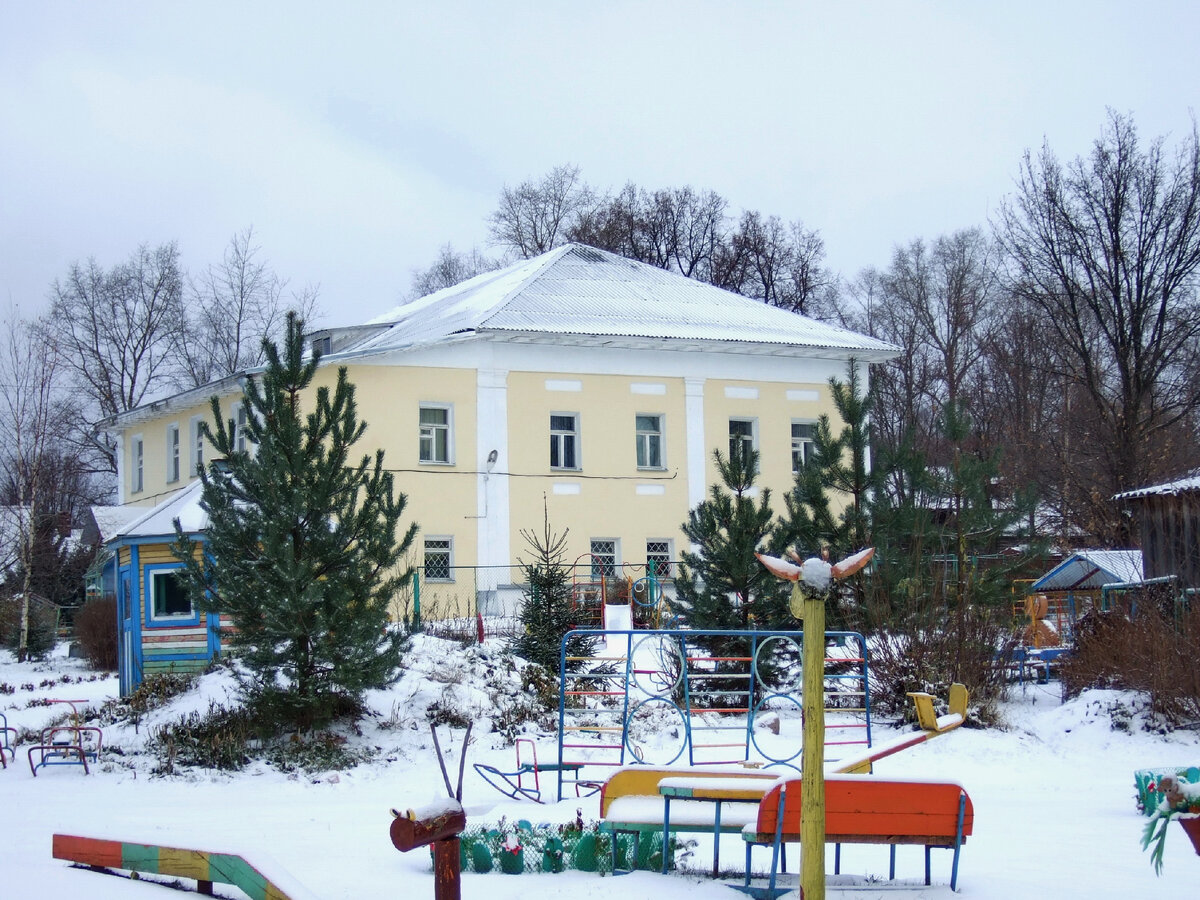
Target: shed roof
[[1179, 486], [159, 521], [581, 292], [1091, 570]]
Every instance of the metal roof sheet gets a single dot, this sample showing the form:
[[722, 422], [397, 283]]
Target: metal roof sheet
[[581, 291], [1091, 570], [159, 521], [1181, 485]]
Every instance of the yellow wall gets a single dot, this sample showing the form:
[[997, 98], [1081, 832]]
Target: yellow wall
[[774, 413], [605, 501], [608, 504]]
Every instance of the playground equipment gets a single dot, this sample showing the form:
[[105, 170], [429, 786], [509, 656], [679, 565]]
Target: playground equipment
[[439, 824], [203, 867], [67, 745], [525, 779], [715, 700], [5, 746]]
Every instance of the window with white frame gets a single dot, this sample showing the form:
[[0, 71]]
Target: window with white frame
[[439, 559], [649, 441], [658, 558], [741, 438], [435, 433], [137, 465], [173, 452], [564, 441], [604, 557], [238, 421], [196, 441], [803, 446], [169, 597]]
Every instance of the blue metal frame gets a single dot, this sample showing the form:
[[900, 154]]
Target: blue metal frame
[[620, 683]]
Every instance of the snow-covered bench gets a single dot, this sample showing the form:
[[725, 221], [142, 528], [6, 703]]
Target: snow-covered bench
[[867, 809], [631, 801]]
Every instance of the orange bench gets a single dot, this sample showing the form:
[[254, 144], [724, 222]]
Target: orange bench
[[866, 809]]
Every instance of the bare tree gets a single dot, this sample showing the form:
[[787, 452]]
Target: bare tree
[[451, 268], [233, 306], [533, 217], [116, 330], [1106, 248], [33, 426]]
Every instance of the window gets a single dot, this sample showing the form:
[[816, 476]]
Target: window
[[435, 434], [439, 559], [649, 442], [322, 345], [241, 442], [172, 452], [564, 441], [658, 558], [803, 447], [197, 443], [168, 596], [604, 558], [137, 472], [741, 437]]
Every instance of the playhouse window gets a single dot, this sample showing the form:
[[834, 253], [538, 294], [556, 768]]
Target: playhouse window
[[168, 596]]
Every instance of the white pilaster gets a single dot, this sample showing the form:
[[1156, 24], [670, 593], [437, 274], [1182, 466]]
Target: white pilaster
[[492, 501]]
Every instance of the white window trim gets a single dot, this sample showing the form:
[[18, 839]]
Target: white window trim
[[753, 420], [578, 432], [662, 440], [670, 552], [791, 442], [449, 408], [195, 443], [137, 464], [449, 538], [150, 604], [174, 453], [616, 563]]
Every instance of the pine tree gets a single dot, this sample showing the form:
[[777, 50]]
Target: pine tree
[[839, 469], [722, 585], [546, 614], [301, 551]]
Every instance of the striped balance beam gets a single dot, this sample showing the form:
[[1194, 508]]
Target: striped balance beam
[[200, 865]]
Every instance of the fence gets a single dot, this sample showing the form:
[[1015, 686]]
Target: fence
[[455, 601]]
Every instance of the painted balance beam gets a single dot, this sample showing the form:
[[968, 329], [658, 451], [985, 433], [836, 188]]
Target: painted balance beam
[[930, 725], [203, 867]]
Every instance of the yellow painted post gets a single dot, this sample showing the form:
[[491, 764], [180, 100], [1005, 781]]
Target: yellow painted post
[[812, 774]]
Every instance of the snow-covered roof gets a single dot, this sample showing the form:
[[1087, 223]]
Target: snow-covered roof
[[1091, 570], [577, 292], [111, 519], [1179, 486], [159, 521]]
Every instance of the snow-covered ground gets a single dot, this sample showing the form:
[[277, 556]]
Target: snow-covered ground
[[1054, 801]]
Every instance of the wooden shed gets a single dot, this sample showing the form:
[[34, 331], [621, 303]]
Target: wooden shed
[[1167, 517], [159, 629]]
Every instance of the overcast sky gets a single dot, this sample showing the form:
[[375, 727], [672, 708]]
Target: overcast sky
[[357, 138]]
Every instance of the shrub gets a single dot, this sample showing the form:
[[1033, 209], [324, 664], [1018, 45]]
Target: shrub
[[43, 625], [929, 652], [96, 630], [1152, 649]]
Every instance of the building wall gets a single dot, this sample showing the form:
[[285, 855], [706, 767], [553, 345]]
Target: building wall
[[502, 396]]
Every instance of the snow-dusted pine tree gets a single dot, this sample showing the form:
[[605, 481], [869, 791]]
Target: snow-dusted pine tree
[[303, 548]]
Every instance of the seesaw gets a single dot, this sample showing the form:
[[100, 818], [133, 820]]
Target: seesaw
[[515, 784]]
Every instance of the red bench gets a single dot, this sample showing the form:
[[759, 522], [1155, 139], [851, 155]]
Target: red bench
[[867, 809]]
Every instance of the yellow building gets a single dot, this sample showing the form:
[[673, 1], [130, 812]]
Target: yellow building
[[590, 384]]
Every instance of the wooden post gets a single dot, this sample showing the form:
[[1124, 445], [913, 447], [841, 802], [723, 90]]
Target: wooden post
[[441, 826], [812, 771]]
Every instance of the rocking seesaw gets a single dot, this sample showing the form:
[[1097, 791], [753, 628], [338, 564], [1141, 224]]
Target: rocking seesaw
[[515, 784]]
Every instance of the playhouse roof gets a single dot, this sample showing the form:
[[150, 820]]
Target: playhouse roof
[[1091, 570], [159, 521], [575, 292]]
